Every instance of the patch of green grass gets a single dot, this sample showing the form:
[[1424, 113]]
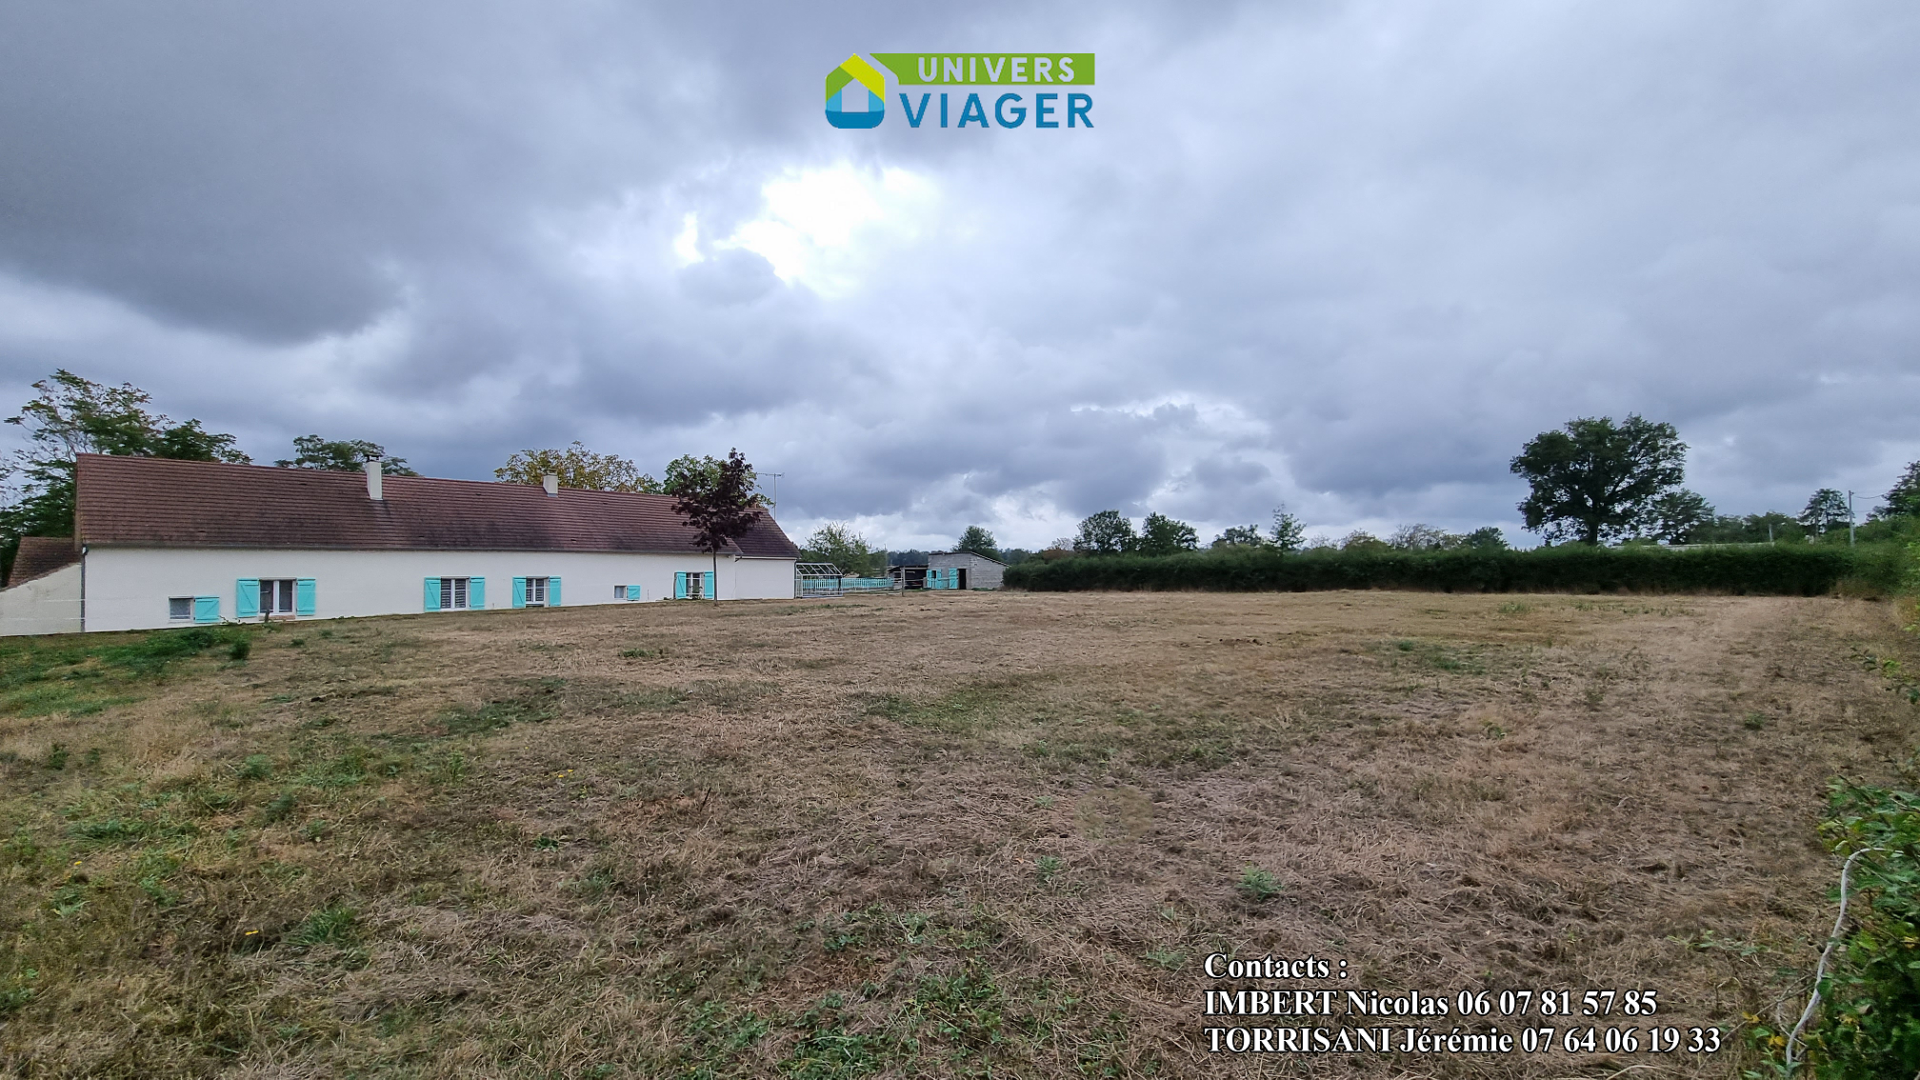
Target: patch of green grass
[[1258, 885], [1047, 867], [84, 676], [256, 767], [643, 654], [1755, 721], [335, 924], [278, 810], [495, 715], [1168, 959], [967, 710]]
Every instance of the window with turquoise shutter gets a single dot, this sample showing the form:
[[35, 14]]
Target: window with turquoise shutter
[[433, 594], [553, 592], [519, 592], [303, 601], [206, 609], [246, 600], [706, 585], [477, 593], [680, 585]]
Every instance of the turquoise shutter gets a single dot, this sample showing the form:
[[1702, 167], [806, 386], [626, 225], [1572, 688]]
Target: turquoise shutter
[[519, 592], [303, 596], [553, 592], [477, 592], [680, 585], [706, 585], [246, 602], [207, 608], [433, 594], [634, 592]]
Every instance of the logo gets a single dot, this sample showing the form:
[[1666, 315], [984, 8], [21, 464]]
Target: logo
[[853, 95], [1045, 87]]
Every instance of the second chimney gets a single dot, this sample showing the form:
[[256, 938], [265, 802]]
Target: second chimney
[[550, 481], [373, 479]]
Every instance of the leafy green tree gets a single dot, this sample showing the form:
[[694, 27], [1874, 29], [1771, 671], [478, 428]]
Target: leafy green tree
[[71, 415], [1485, 538], [1162, 535], [1246, 536], [1362, 540], [722, 510], [1288, 534], [582, 469], [689, 472], [1105, 533], [343, 455], [1594, 480], [979, 541], [1904, 499], [1680, 517], [837, 543], [1825, 509]]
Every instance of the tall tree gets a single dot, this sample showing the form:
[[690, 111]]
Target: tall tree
[[1105, 533], [1288, 534], [1904, 499], [1825, 509], [721, 511], [1162, 535], [1247, 536], [979, 541], [342, 455], [1680, 517], [1594, 480], [687, 472], [580, 468], [71, 415], [836, 542]]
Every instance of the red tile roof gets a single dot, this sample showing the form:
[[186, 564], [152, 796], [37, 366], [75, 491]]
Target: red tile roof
[[40, 556], [159, 502]]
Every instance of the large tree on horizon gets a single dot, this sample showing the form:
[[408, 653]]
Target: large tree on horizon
[[1594, 480], [72, 415], [342, 455], [578, 468]]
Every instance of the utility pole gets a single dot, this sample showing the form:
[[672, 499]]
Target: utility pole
[[1849, 518]]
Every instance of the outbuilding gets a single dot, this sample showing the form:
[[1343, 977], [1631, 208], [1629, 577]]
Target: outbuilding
[[160, 542], [963, 570]]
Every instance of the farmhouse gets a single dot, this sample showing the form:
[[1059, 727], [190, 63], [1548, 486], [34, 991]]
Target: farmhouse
[[168, 543]]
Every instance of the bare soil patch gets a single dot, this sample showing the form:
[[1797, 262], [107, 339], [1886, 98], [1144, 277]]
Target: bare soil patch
[[971, 834]]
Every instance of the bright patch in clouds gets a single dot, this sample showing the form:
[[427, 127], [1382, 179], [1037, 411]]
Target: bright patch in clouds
[[824, 228]]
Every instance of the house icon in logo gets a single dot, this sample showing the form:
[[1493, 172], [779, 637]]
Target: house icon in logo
[[853, 95]]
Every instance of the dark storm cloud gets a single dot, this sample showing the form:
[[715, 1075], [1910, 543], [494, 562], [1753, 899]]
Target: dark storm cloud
[[1343, 255]]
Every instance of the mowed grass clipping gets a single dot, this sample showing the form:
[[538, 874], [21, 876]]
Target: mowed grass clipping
[[961, 835]]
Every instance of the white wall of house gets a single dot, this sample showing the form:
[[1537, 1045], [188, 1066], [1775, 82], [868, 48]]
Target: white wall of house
[[49, 604], [129, 588]]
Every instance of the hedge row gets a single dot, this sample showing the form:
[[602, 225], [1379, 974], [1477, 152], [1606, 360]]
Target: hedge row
[[1792, 570]]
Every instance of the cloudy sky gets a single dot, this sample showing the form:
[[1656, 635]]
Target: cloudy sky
[[1346, 256]]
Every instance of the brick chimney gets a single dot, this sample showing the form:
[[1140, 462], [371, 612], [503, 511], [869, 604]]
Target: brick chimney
[[373, 479], [551, 482]]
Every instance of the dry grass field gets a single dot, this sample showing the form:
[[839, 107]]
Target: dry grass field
[[941, 835]]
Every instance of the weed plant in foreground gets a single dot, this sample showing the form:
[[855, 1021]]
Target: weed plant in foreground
[[931, 835]]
